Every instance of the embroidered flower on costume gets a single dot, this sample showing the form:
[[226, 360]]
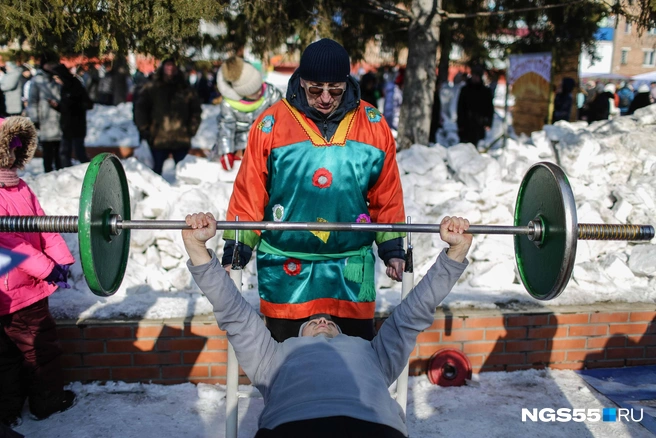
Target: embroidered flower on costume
[[363, 219], [278, 213], [266, 125], [373, 114], [322, 178], [292, 267]]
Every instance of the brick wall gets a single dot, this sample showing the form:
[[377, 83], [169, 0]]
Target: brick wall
[[176, 351]]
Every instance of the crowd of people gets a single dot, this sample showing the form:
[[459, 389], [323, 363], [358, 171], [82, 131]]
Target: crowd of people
[[598, 100]]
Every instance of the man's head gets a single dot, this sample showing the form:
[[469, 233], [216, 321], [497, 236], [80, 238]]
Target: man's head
[[320, 324], [323, 70], [169, 68]]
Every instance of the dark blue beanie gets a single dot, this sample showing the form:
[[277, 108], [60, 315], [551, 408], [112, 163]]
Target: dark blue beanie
[[325, 61]]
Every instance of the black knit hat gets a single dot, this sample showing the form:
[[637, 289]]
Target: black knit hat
[[325, 61]]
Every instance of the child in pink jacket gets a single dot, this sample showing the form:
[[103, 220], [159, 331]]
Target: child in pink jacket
[[29, 347]]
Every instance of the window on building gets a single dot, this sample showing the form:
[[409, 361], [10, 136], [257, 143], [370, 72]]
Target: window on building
[[627, 26], [648, 57], [624, 59]]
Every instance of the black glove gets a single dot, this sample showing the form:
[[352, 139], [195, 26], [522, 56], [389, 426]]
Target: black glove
[[245, 253], [58, 276], [391, 249]]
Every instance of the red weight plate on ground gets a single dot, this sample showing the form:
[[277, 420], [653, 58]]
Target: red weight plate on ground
[[449, 368]]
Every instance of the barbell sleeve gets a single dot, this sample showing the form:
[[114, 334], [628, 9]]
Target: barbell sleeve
[[615, 232]]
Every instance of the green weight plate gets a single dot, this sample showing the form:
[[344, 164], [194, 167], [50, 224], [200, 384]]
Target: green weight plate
[[546, 266], [103, 256]]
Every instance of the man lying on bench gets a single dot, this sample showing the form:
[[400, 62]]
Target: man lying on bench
[[324, 383]]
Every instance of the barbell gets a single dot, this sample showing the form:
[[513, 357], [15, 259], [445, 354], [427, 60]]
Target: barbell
[[545, 227]]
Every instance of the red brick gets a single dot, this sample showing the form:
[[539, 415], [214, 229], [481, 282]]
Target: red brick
[[605, 364], [427, 350], [527, 320], [87, 374], [545, 357], [135, 373], [206, 330], [163, 345], [603, 342], [515, 346], [418, 366], [464, 335], [188, 344], [171, 331], [108, 332], [476, 360], [642, 316], [70, 360], [205, 357], [609, 317], [69, 333], [588, 330], [584, 355], [484, 322], [83, 346], [629, 329], [492, 368], [509, 333], [548, 332], [625, 353], [650, 352], [569, 318], [157, 358], [216, 344], [218, 370], [644, 340], [507, 359], [110, 360], [429, 336], [568, 344], [134, 346], [482, 347], [147, 331], [185, 371], [442, 323], [638, 362], [210, 381]]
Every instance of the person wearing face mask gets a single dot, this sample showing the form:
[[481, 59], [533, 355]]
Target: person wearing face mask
[[322, 382], [167, 114], [245, 97], [320, 155]]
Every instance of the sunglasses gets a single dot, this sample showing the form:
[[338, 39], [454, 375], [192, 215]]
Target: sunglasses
[[318, 91]]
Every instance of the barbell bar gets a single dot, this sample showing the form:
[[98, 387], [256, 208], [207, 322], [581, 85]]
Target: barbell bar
[[545, 213]]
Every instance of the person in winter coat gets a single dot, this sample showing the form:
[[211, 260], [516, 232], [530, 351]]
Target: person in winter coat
[[168, 114], [245, 97], [30, 353], [625, 95], [10, 84], [45, 93], [321, 154], [641, 99], [563, 100], [394, 99], [72, 107], [475, 109], [603, 105], [321, 381]]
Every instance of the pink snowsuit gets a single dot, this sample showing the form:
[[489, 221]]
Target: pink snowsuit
[[24, 285]]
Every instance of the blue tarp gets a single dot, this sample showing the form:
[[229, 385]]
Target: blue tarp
[[630, 388]]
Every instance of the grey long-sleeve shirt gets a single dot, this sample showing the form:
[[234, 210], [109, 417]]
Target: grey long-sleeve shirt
[[314, 377]]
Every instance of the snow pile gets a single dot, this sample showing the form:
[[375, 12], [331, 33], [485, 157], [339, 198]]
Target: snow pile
[[610, 167]]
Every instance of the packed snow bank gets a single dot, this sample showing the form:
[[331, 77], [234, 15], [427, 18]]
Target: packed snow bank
[[611, 167]]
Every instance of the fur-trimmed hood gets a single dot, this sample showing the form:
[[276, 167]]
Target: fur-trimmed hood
[[23, 128]]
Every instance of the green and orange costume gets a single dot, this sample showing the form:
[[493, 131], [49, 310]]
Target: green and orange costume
[[290, 173]]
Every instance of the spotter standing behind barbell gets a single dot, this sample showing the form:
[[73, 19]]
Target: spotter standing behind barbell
[[545, 213]]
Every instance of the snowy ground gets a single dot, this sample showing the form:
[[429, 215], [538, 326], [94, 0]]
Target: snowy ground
[[489, 407]]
